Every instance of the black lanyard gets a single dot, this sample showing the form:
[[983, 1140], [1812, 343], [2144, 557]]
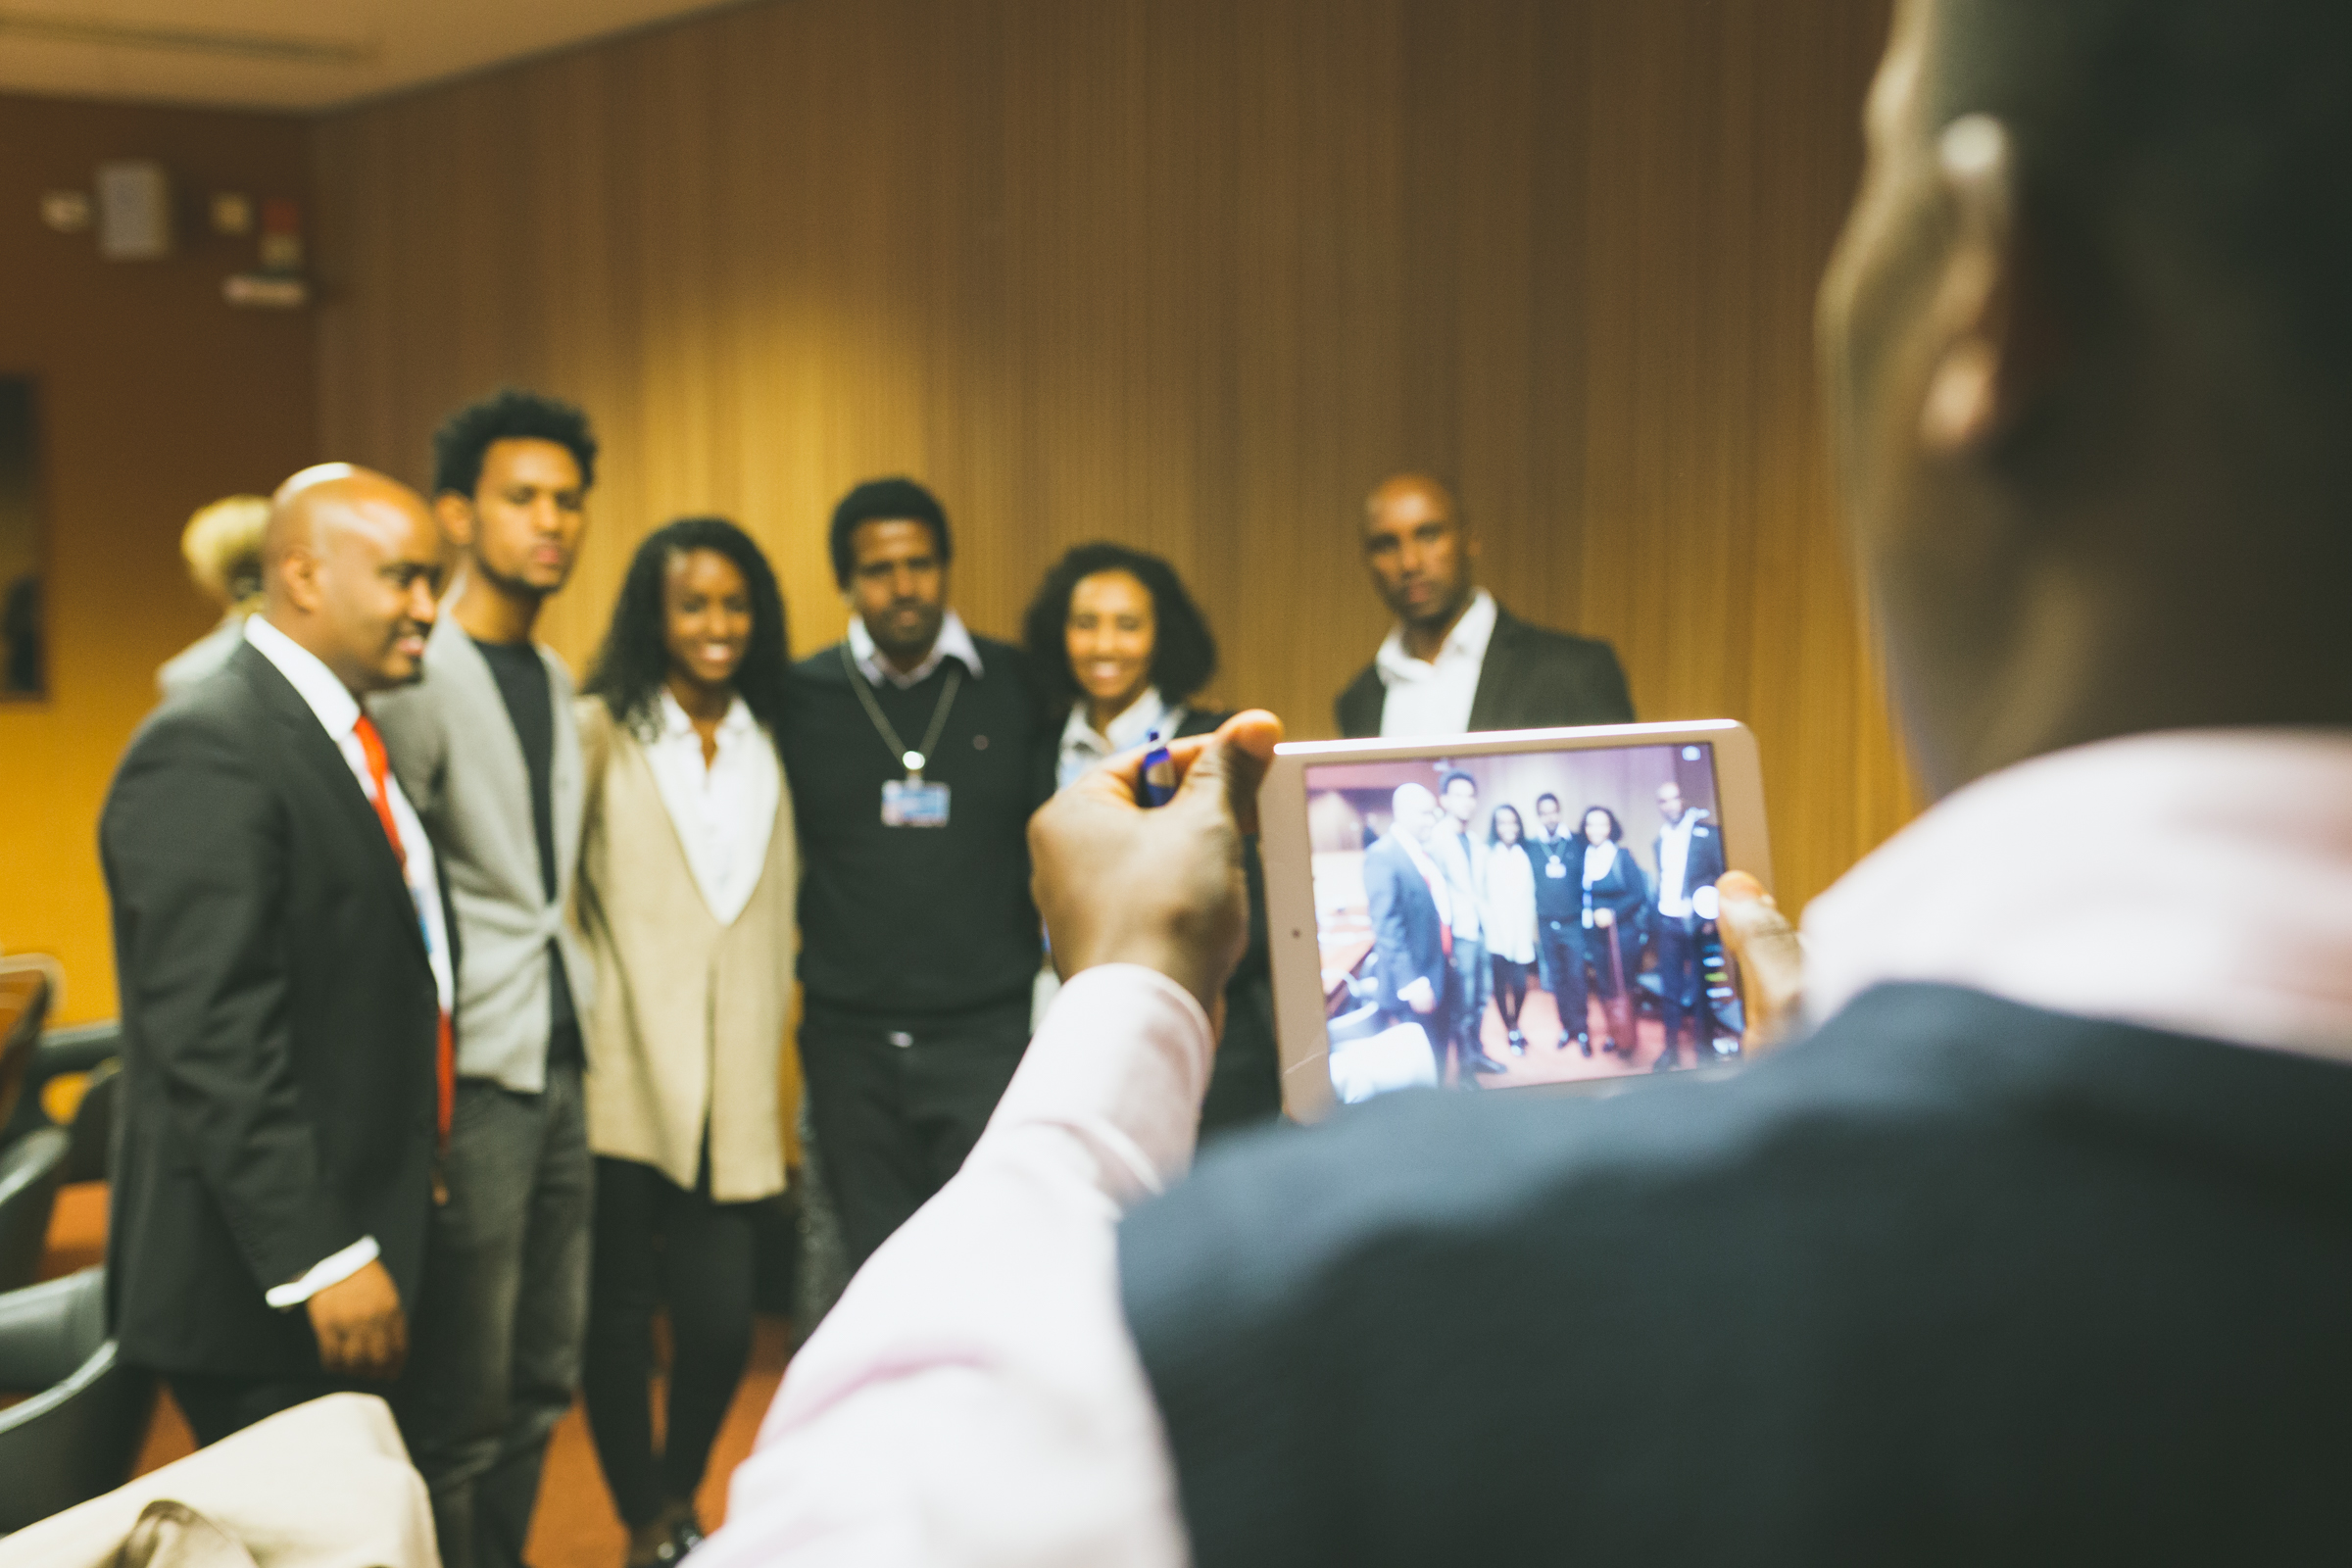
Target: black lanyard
[[915, 760]]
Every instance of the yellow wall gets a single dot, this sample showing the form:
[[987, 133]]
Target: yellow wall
[[155, 397]]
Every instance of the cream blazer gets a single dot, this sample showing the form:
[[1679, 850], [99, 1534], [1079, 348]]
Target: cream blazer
[[690, 1014]]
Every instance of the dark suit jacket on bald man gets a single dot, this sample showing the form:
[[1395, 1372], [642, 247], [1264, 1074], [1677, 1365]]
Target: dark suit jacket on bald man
[[1532, 678]]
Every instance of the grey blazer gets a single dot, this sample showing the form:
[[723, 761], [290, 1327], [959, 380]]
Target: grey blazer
[[457, 758]]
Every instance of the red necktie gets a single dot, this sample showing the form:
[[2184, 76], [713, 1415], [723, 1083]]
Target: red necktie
[[444, 1054], [1436, 896]]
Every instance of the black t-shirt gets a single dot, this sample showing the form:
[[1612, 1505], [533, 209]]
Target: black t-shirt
[[522, 685], [1955, 1280]]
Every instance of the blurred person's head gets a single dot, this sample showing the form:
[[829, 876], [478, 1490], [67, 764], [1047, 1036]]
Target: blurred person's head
[[890, 550], [1110, 623], [1670, 802], [2089, 353], [700, 615], [1415, 811], [1504, 827], [1601, 825], [1457, 792], [223, 546], [1419, 551], [1548, 815], [510, 480], [352, 571]]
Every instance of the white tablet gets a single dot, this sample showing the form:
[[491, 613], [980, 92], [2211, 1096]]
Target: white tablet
[[1517, 911]]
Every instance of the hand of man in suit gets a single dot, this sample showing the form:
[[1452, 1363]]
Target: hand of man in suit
[[1421, 995], [361, 1331], [1119, 884]]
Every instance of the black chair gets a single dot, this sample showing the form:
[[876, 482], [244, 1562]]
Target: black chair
[[78, 1436], [23, 1008], [30, 1171], [79, 1049], [93, 1128]]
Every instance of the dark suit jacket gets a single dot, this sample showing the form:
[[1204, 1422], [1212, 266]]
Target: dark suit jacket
[[1700, 868], [278, 1021], [1532, 678], [1408, 941]]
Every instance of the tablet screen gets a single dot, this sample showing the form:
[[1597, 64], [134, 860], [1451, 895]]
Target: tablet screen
[[1519, 918]]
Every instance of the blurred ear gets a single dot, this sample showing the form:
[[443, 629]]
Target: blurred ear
[[1993, 356], [455, 514], [298, 575]]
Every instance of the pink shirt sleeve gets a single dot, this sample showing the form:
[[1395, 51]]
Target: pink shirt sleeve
[[974, 1397]]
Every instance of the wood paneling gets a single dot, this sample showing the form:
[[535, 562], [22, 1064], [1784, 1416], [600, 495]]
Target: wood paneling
[[1191, 274], [156, 397]]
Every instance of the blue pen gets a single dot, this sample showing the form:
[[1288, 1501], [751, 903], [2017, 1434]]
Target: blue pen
[[1159, 773]]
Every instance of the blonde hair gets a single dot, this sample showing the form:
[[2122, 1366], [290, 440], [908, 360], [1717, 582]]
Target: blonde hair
[[222, 545]]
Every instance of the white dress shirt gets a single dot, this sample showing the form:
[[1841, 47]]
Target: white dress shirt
[[1084, 748], [1433, 697], [975, 1398], [1465, 862], [955, 641], [723, 811], [338, 712], [1674, 857]]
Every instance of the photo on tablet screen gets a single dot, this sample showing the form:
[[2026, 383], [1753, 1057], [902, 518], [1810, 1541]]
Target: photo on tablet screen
[[1521, 919]]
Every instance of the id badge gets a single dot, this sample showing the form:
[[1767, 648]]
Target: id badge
[[913, 803]]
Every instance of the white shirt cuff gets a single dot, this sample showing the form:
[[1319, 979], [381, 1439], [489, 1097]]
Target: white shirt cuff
[[333, 1269]]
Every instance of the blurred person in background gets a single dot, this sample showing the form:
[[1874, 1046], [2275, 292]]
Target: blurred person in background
[[223, 546], [688, 875], [1118, 642], [1689, 860], [1455, 660], [1615, 895], [487, 747]]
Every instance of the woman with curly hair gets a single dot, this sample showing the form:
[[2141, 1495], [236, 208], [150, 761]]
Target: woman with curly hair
[[686, 890], [1121, 650]]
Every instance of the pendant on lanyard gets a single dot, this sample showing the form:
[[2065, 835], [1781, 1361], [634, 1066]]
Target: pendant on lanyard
[[914, 801]]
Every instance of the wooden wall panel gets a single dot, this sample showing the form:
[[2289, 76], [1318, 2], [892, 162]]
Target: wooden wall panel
[[1192, 273]]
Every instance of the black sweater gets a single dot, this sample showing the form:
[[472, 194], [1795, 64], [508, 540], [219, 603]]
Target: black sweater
[[903, 924], [1956, 1280]]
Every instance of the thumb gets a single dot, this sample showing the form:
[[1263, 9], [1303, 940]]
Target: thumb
[[1235, 763]]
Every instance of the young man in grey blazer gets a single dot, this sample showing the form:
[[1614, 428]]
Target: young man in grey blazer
[[487, 748]]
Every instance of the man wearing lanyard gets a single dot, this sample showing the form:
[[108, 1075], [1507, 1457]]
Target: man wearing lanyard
[[909, 746], [1560, 859]]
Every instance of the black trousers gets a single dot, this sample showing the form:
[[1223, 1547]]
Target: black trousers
[[1560, 947], [1510, 988], [219, 1407], [657, 1243], [1682, 988], [896, 1106]]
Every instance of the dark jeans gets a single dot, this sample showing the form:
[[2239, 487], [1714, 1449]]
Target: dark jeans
[[1560, 947], [1466, 999], [495, 1342], [219, 1407], [1682, 987], [896, 1106], [1510, 989], [658, 1244]]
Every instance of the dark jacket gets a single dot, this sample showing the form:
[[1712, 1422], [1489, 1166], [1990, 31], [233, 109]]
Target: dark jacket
[[1532, 678], [1957, 1281], [1700, 868], [1624, 892], [1408, 939], [278, 1025]]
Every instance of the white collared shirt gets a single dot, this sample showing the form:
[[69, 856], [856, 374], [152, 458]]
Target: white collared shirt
[[955, 641], [1465, 863], [1084, 748], [339, 713], [1433, 697], [1673, 859], [724, 811]]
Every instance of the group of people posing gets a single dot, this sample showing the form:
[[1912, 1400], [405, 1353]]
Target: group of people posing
[[454, 1000], [1462, 918]]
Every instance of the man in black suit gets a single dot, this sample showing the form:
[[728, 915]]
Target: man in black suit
[[1559, 860], [1457, 661], [1412, 941], [281, 944], [1688, 856]]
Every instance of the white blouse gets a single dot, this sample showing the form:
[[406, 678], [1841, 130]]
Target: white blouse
[[724, 811], [1510, 900]]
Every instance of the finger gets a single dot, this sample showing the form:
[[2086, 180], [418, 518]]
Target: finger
[[1121, 776], [1237, 763], [1768, 951]]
